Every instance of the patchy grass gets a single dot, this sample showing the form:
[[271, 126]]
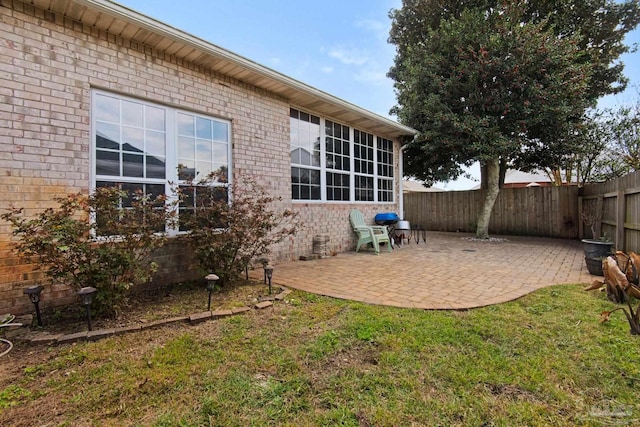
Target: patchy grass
[[542, 360], [154, 304]]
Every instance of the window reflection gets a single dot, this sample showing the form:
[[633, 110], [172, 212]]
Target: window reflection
[[155, 167], [186, 148], [198, 197], [107, 108], [107, 136], [155, 142], [132, 165], [203, 128], [131, 143], [132, 113], [186, 170], [305, 138], [107, 163], [133, 139], [186, 125], [220, 154], [155, 118], [202, 152], [123, 146], [220, 131]]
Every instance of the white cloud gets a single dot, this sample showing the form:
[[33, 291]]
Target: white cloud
[[379, 28], [327, 69], [373, 76], [348, 56], [275, 62]]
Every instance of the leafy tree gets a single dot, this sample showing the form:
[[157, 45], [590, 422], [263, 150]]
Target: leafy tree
[[624, 126], [607, 146], [483, 84], [600, 27]]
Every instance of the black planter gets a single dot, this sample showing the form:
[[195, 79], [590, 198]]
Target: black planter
[[596, 248], [594, 266], [594, 252]]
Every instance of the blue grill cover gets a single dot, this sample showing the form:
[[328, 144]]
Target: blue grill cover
[[387, 218]]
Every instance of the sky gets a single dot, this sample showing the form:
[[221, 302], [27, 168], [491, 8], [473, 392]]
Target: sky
[[339, 47]]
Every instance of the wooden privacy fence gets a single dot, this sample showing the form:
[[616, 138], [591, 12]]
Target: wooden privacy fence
[[533, 211], [617, 206]]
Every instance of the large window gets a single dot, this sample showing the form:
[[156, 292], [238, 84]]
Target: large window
[[385, 170], [364, 161], [305, 156], [351, 165], [337, 149], [144, 146]]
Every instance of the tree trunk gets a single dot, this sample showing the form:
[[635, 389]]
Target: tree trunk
[[503, 173], [484, 175], [493, 178]]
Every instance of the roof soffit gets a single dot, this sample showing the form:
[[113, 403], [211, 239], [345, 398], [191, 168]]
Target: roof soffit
[[121, 21]]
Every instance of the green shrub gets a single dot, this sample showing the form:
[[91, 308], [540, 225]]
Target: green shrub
[[228, 236], [104, 240]]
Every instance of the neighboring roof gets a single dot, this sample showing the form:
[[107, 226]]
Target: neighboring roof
[[417, 187], [513, 176], [126, 23]]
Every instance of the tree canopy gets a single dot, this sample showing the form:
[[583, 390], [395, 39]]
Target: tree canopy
[[501, 82], [600, 25], [610, 144]]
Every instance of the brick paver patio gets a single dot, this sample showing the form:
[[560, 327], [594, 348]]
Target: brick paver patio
[[449, 271]]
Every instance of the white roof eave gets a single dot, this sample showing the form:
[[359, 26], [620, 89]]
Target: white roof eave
[[298, 93]]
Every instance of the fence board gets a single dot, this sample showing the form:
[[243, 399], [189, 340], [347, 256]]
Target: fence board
[[535, 211], [620, 210]]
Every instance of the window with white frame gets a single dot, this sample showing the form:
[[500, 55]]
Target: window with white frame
[[363, 166], [337, 158], [351, 165], [305, 156], [385, 170], [139, 145]]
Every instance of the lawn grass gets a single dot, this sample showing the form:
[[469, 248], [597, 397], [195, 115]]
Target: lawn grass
[[544, 359]]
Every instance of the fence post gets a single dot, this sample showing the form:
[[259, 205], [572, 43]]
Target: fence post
[[599, 207], [580, 221], [621, 211]]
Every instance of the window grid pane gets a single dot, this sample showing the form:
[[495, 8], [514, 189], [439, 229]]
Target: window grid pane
[[123, 127], [305, 184], [305, 139], [151, 190], [202, 148], [364, 188], [385, 190], [337, 186], [385, 158], [363, 152], [195, 196], [337, 146]]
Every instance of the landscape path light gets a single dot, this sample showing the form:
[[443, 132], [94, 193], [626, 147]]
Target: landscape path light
[[86, 299], [268, 271], [211, 286], [34, 295]]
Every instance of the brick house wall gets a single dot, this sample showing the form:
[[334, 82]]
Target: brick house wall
[[48, 66]]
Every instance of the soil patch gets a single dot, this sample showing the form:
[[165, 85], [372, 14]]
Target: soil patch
[[157, 304]]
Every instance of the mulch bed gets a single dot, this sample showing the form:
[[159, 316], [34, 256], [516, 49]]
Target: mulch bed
[[157, 304]]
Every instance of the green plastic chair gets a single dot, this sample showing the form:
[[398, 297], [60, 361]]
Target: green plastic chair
[[368, 234]]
